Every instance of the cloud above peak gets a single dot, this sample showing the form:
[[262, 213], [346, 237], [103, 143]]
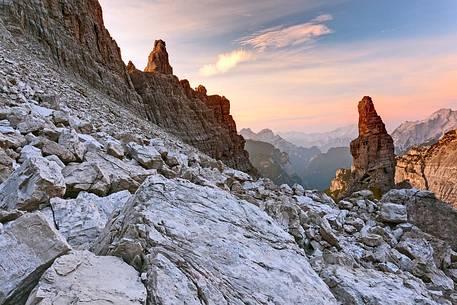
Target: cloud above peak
[[285, 36], [225, 62], [270, 39]]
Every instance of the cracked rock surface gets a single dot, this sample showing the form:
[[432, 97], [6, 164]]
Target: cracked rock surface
[[198, 245], [80, 277]]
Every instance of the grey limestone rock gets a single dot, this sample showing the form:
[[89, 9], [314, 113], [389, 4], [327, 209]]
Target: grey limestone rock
[[28, 246]]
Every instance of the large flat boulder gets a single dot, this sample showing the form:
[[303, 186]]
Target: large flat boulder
[[89, 279], [28, 246], [33, 183], [199, 244]]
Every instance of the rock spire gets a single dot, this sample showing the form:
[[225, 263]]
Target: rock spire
[[373, 165], [158, 59]]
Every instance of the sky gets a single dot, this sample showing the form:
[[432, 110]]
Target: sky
[[302, 65]]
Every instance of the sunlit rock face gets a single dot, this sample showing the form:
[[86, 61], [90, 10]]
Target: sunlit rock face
[[373, 151], [158, 59], [373, 165], [201, 120], [432, 168]]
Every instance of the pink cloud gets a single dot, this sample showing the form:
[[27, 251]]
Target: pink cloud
[[281, 36]]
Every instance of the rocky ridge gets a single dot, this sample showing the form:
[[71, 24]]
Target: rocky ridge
[[428, 130], [166, 208], [431, 168], [201, 120], [74, 36], [80, 44]]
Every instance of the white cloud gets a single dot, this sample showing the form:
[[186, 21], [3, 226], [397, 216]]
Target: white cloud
[[225, 62], [281, 36], [323, 18]]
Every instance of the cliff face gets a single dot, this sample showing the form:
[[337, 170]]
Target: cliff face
[[201, 120], [373, 165], [73, 34], [432, 168]]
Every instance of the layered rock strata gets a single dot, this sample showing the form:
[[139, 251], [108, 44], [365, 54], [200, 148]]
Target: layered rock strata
[[431, 168], [85, 278]]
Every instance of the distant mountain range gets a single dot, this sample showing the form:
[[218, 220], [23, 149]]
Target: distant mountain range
[[313, 168], [314, 157], [427, 131], [271, 162], [340, 137]]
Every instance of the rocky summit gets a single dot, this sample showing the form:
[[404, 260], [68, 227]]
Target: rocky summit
[[373, 165], [100, 206], [158, 59]]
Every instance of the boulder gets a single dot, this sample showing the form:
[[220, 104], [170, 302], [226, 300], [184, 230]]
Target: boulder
[[6, 165], [427, 212], [49, 148], [115, 149], [31, 125], [28, 246], [29, 151], [86, 176], [372, 240], [328, 234], [70, 140], [123, 175], [33, 183], [199, 244], [84, 278], [393, 213], [12, 140], [147, 156], [81, 220], [416, 248]]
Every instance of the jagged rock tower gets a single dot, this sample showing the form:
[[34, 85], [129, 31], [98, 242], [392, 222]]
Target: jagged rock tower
[[158, 59], [201, 120], [373, 165]]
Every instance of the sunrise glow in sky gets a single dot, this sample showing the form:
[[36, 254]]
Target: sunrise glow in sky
[[302, 64]]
